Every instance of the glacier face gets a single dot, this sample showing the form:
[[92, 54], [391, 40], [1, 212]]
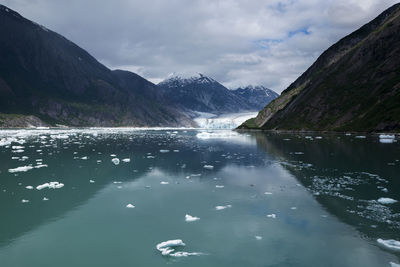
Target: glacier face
[[225, 121]]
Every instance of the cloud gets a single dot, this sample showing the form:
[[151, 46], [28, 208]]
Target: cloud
[[236, 42]]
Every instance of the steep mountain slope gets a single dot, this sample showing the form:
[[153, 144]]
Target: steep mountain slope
[[204, 94], [256, 96], [46, 75], [354, 85]]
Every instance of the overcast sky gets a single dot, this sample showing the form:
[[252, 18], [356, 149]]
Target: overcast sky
[[260, 42]]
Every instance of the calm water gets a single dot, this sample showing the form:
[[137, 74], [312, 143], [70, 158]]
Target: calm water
[[289, 200]]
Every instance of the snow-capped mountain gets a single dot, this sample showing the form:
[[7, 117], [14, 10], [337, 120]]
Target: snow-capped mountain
[[204, 94], [257, 96]]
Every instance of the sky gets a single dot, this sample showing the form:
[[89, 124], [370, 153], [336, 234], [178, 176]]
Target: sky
[[242, 42]]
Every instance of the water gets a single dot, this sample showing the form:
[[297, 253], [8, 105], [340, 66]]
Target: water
[[290, 200]]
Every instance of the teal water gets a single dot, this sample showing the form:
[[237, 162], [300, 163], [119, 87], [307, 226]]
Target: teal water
[[320, 209]]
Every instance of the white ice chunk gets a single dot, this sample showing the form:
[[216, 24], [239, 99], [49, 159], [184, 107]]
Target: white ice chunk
[[163, 182], [386, 136], [21, 169], [45, 199], [273, 215], [389, 243], [91, 181], [130, 206], [50, 185], [223, 207], [267, 193], [190, 218], [126, 160], [258, 237], [84, 158], [29, 187], [25, 201], [219, 186], [208, 167], [115, 161], [386, 200], [164, 150]]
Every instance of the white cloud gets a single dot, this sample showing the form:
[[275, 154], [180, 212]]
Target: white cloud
[[237, 42]]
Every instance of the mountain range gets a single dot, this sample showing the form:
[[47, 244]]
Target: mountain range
[[204, 94], [46, 79], [353, 86]]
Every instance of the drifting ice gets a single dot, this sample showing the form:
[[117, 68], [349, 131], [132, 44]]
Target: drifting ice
[[190, 218], [390, 243], [167, 249], [51, 185]]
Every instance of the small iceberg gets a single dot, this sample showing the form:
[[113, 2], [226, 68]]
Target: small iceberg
[[25, 201], [389, 243], [115, 161], [219, 186], [386, 138], [164, 150], [273, 215], [51, 185], [386, 200], [164, 182], [130, 206], [167, 248], [223, 207], [190, 218], [258, 237], [29, 187], [126, 160], [208, 167], [20, 169]]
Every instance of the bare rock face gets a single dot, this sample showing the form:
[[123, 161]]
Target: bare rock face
[[45, 75], [353, 86]]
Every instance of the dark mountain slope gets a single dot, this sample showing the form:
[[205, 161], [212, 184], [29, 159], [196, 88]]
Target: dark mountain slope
[[44, 74], [353, 86]]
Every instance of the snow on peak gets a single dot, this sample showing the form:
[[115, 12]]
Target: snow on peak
[[181, 80], [257, 88]]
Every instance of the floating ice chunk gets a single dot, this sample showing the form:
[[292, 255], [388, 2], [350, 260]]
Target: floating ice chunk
[[130, 206], [267, 193], [91, 181], [166, 247], [176, 150], [40, 166], [386, 200], [219, 186], [29, 187], [151, 157], [163, 182], [299, 153], [392, 264], [164, 150], [84, 158], [51, 185], [25, 201], [113, 155], [115, 161], [18, 151], [126, 160], [17, 147], [361, 136], [208, 167], [190, 218], [273, 215], [386, 140], [45, 199], [223, 207], [258, 237], [21, 169], [389, 243], [293, 208], [318, 137], [386, 136]]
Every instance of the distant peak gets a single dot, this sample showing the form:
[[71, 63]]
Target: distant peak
[[175, 79]]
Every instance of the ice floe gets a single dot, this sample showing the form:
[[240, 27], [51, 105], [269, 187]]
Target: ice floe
[[386, 200], [51, 185], [167, 248], [164, 150], [126, 160], [163, 182], [45, 199], [130, 206], [190, 218], [273, 215], [258, 237], [208, 167], [389, 243], [223, 207], [25, 201], [29, 187], [21, 169], [115, 161], [219, 186], [387, 138]]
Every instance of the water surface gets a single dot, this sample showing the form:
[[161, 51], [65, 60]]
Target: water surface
[[289, 199]]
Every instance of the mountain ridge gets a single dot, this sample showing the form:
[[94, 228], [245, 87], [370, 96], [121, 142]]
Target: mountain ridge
[[353, 86]]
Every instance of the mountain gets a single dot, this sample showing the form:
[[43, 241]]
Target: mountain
[[204, 94], [256, 96], [47, 77], [353, 86]]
